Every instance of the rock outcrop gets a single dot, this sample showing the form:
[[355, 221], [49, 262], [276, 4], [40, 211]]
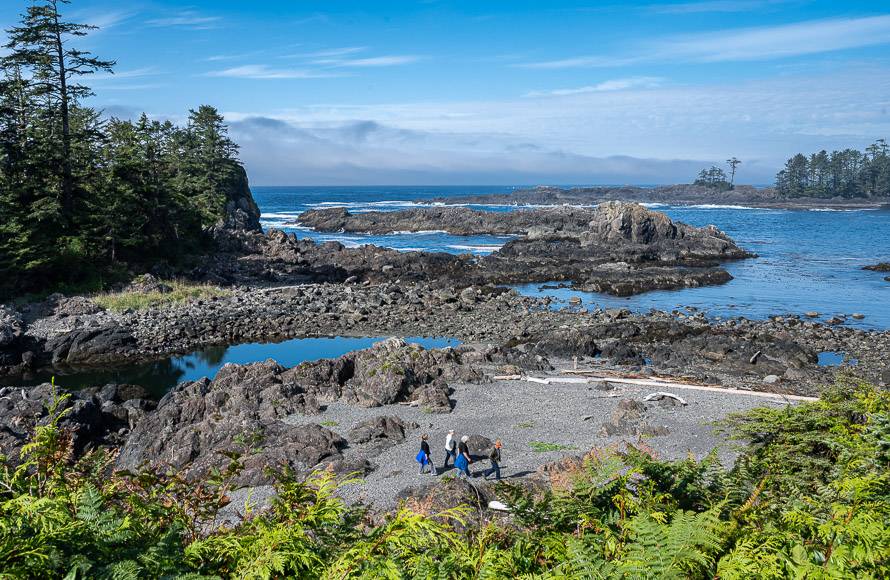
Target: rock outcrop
[[95, 418], [617, 248], [243, 409], [459, 221], [882, 267]]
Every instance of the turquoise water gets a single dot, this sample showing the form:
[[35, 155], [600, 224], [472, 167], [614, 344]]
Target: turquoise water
[[808, 260], [162, 375]]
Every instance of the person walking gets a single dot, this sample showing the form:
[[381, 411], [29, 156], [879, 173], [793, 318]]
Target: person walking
[[495, 458], [450, 449], [423, 456], [463, 460]]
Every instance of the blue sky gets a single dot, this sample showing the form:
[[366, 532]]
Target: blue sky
[[353, 92]]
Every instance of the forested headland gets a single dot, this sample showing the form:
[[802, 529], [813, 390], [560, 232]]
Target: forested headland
[[848, 174], [85, 199]]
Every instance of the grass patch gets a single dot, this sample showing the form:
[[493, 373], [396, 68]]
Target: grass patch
[[543, 447], [329, 423], [525, 425], [134, 300]]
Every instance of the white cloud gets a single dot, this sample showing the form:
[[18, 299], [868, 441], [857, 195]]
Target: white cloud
[[747, 44], [265, 72], [376, 61], [605, 86], [104, 20], [637, 135], [126, 74], [332, 52], [185, 18], [713, 6]]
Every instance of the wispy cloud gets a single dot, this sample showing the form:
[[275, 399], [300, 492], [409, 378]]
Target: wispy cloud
[[747, 44], [186, 19], [374, 61], [126, 74], [713, 6], [265, 72], [605, 86], [319, 64], [333, 52], [105, 19]]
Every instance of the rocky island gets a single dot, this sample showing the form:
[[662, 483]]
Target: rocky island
[[617, 248], [681, 194]]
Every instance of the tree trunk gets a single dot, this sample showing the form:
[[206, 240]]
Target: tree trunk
[[67, 200]]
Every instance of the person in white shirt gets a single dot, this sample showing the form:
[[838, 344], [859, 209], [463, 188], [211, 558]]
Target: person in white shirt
[[450, 449]]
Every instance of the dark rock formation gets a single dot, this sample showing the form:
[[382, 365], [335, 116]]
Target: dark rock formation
[[616, 248], [380, 432], [441, 495], [628, 418], [241, 211], [391, 371], [100, 418], [243, 408], [681, 194], [459, 221], [882, 267], [89, 345], [239, 411]]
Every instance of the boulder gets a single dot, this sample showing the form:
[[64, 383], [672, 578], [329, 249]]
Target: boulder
[[197, 424], [448, 493], [90, 345], [381, 432], [479, 446], [628, 419]]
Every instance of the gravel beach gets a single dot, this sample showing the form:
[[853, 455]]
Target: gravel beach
[[519, 413]]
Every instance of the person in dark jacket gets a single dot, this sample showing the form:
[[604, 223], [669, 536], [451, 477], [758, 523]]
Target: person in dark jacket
[[423, 457], [495, 458], [463, 460]]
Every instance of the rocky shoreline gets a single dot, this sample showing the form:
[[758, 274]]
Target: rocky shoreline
[[615, 248], [683, 194], [361, 411]]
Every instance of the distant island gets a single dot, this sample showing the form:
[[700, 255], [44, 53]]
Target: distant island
[[840, 179]]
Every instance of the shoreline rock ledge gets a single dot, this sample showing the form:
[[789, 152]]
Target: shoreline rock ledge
[[617, 247]]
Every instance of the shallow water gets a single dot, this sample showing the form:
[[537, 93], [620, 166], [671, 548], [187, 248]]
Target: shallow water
[[162, 375], [808, 260]]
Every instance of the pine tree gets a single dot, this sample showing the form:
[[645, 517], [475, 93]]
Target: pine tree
[[41, 44]]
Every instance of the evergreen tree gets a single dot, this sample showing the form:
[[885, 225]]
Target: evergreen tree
[[714, 178], [848, 173], [733, 163], [41, 44], [82, 198]]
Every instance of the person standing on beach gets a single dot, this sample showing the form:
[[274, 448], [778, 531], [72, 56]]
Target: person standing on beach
[[495, 458], [463, 460], [423, 457], [450, 449]]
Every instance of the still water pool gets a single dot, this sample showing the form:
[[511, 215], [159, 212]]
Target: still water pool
[[162, 375]]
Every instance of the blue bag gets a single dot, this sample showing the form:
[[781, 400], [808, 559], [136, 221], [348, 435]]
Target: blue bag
[[461, 462], [421, 457]]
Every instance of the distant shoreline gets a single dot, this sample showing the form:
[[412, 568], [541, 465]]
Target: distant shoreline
[[687, 195]]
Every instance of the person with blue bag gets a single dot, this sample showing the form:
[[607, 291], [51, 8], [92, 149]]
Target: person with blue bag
[[423, 456], [463, 461]]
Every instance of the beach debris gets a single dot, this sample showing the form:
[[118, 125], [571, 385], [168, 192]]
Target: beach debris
[[753, 359], [660, 395], [507, 377], [498, 506]]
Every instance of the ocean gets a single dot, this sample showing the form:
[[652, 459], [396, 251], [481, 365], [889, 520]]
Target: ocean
[[808, 260]]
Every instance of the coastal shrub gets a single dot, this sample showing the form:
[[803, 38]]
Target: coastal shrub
[[808, 497], [180, 291]]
